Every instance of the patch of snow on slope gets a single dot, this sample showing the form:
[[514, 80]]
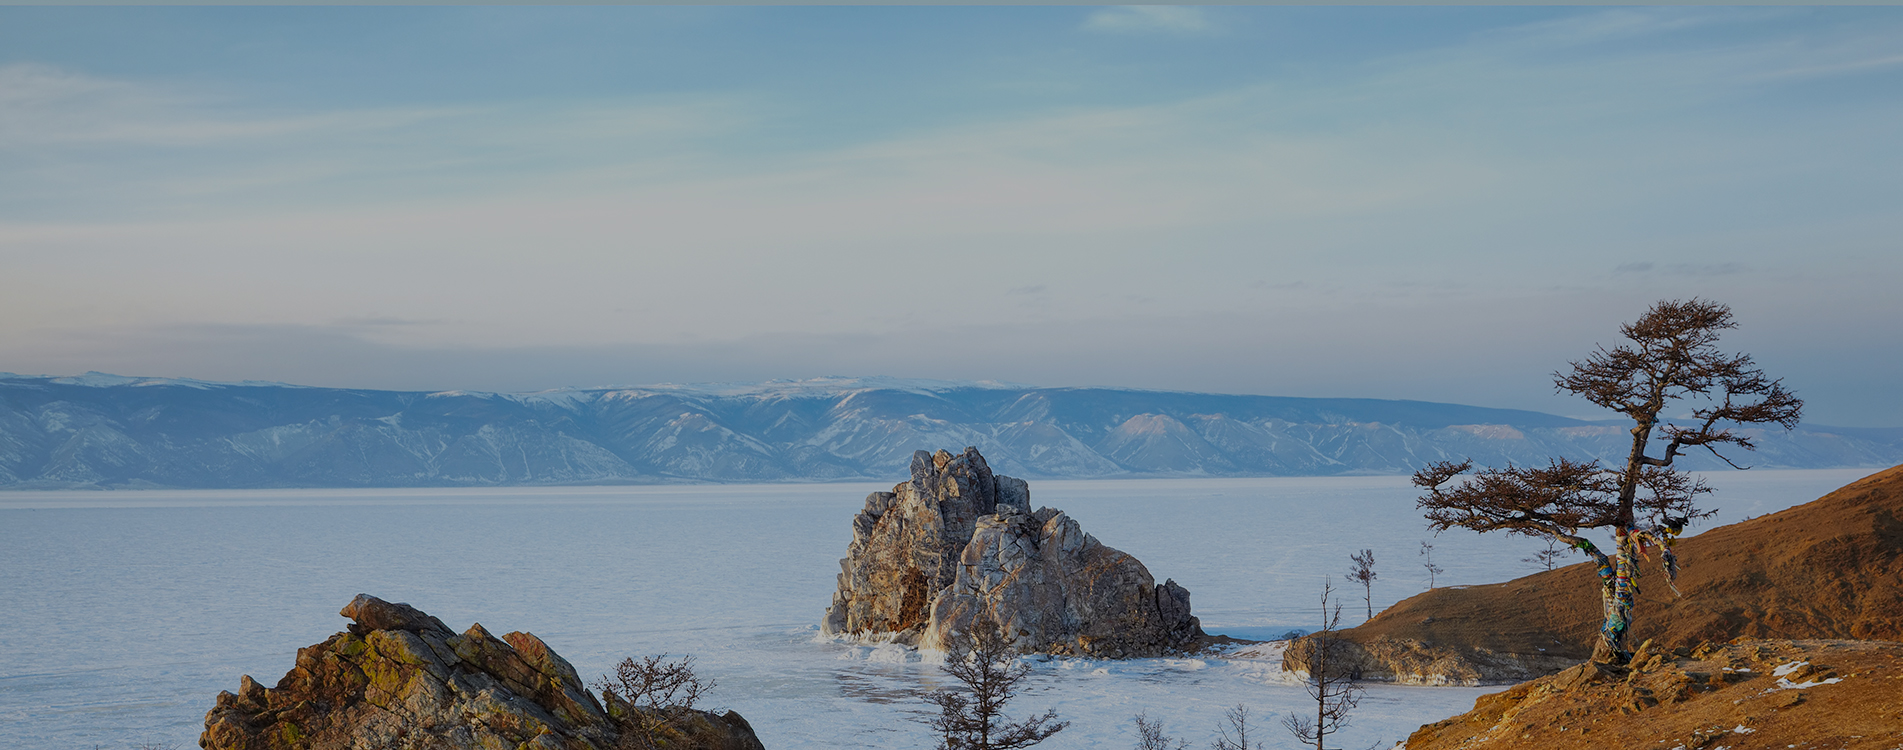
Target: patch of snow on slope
[[95, 379], [828, 386]]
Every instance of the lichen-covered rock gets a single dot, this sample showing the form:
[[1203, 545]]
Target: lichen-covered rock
[[400, 679], [957, 547]]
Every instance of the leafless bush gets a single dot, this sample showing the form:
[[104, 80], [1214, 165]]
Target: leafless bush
[[659, 695], [1233, 733], [1150, 736]]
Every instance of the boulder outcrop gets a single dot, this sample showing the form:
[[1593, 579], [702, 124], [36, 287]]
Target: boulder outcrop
[[401, 679], [1828, 569], [957, 547]]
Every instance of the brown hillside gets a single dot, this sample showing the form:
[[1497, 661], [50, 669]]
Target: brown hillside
[[1749, 695], [1831, 568]]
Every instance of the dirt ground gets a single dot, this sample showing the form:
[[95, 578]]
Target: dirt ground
[[1810, 694]]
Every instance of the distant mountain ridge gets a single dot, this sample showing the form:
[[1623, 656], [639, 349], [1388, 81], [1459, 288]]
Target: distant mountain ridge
[[99, 430]]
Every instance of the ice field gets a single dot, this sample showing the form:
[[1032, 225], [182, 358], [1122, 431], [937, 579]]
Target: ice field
[[126, 612]]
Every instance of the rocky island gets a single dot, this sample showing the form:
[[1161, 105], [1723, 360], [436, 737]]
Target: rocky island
[[401, 679], [957, 547]]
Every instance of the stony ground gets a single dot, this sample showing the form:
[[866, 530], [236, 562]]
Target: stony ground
[[1814, 694]]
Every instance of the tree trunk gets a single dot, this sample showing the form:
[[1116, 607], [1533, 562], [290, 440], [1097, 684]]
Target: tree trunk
[[1616, 597], [1617, 594]]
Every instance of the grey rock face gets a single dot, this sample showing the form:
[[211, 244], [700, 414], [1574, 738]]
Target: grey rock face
[[957, 547]]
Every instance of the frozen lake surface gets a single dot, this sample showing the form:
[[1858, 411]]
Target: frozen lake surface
[[126, 612]]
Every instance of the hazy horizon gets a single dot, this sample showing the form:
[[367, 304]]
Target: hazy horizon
[[1419, 203]]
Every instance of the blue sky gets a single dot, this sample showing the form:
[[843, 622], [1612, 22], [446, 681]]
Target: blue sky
[[1407, 202]]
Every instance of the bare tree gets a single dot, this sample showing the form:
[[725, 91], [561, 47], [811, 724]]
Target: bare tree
[[1363, 573], [1233, 733], [1330, 683], [658, 695], [973, 719], [1427, 561], [1150, 736], [1546, 559], [1672, 356]]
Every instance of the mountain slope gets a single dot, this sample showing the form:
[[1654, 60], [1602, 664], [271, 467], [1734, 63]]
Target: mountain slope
[[111, 431]]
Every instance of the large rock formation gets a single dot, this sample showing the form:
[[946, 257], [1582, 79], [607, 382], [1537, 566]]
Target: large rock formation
[[958, 547], [1831, 568], [1749, 694], [400, 679]]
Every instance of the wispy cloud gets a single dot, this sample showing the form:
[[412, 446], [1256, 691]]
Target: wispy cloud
[[1600, 26], [1140, 19], [1706, 269], [42, 105], [91, 147], [1859, 65], [383, 320], [1390, 185], [1723, 268]]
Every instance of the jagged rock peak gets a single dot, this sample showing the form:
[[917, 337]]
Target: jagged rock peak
[[400, 679], [957, 547]]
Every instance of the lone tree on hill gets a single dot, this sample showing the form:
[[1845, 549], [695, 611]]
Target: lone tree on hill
[[1427, 561], [1363, 573], [973, 719], [1546, 559], [1672, 357]]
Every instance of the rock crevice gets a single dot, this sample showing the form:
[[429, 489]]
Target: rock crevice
[[957, 546]]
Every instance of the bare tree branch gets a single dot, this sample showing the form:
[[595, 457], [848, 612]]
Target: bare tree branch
[[1671, 356], [983, 661]]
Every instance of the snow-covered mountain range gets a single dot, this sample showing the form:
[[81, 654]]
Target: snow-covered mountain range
[[100, 430]]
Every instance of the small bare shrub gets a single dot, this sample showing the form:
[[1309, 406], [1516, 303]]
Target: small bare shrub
[[659, 696], [973, 719], [1150, 736], [1233, 733]]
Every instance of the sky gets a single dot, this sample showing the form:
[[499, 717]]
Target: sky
[[1444, 204]]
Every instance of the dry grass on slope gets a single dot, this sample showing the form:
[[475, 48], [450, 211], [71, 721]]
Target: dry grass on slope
[[1831, 568], [1817, 695]]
